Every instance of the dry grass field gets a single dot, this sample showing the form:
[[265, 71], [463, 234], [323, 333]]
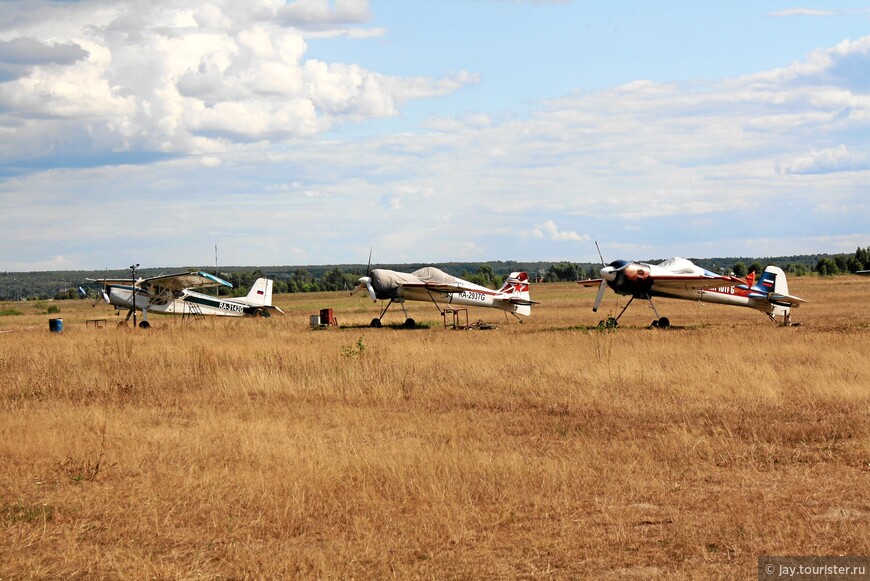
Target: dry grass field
[[242, 448]]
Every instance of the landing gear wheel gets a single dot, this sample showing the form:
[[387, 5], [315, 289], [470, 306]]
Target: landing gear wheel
[[144, 325], [376, 323], [410, 323], [664, 323], [654, 324]]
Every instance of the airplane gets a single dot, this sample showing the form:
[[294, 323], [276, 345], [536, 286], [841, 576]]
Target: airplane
[[171, 294], [863, 272], [679, 278], [432, 284]]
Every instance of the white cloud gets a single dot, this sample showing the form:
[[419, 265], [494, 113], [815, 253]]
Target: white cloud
[[826, 161], [549, 231], [186, 77], [319, 13], [804, 12]]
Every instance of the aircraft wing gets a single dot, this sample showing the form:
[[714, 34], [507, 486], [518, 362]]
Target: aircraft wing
[[177, 282], [111, 281], [590, 282], [693, 282], [172, 282]]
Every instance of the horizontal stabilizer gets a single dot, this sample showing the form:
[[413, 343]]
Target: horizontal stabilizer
[[785, 300], [521, 301]]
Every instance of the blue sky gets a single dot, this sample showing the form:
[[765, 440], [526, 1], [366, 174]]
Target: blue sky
[[308, 132]]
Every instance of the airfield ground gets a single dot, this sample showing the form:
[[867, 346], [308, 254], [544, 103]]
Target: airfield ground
[[232, 448]]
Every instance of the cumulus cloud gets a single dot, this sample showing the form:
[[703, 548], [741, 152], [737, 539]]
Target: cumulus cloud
[[319, 13], [27, 51], [825, 161], [186, 77], [549, 231], [19, 55]]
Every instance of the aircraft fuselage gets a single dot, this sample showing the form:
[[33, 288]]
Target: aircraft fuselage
[[190, 302], [473, 297]]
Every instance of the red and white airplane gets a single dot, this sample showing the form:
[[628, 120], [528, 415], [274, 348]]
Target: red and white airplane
[[679, 278], [433, 285]]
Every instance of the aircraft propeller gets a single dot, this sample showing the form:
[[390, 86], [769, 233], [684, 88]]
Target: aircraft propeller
[[365, 282], [603, 286], [608, 274], [102, 294]]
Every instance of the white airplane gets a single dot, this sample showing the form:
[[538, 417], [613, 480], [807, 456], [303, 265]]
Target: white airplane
[[679, 278], [171, 294], [433, 285]]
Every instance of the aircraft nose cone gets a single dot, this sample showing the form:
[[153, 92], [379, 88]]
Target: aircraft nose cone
[[608, 273]]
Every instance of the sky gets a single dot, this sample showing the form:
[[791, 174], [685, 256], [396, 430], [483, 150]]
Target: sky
[[315, 131]]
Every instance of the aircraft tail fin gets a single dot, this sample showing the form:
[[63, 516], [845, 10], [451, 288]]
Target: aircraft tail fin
[[774, 286], [516, 285], [260, 294]]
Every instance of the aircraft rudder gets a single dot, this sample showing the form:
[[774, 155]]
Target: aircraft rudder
[[773, 280], [260, 293], [517, 285]]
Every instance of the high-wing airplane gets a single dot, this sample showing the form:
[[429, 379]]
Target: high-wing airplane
[[679, 278], [171, 294], [431, 284]]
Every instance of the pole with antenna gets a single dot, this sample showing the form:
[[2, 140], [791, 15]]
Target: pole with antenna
[[217, 290]]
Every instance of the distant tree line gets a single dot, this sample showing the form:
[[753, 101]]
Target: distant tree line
[[45, 285], [828, 266]]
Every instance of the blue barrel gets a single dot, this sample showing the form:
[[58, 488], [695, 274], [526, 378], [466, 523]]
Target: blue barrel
[[55, 325]]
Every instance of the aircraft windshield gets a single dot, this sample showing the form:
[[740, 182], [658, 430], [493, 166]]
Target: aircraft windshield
[[618, 263]]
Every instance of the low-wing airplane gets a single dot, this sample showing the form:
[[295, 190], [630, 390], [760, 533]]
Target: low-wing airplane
[[679, 278], [431, 284], [171, 294]]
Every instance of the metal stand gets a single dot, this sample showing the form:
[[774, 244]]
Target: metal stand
[[455, 313]]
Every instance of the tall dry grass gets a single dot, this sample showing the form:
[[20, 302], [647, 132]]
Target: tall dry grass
[[262, 448]]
